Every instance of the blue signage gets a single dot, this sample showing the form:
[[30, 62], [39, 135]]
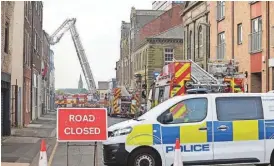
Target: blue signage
[[190, 148], [155, 74]]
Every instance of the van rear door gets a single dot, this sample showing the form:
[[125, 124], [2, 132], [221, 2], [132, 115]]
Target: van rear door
[[238, 126]]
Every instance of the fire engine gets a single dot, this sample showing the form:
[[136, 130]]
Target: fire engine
[[120, 102], [187, 77]]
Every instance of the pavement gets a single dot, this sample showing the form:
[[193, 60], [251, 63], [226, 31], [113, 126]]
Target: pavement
[[22, 148], [80, 154]]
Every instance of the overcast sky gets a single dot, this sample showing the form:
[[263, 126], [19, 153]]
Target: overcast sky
[[98, 23]]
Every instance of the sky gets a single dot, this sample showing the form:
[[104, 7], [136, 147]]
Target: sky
[[98, 24]]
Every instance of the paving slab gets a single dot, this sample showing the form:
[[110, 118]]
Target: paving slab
[[23, 146]]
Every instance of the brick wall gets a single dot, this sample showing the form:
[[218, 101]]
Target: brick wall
[[164, 22]]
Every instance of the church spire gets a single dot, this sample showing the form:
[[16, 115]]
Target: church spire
[[80, 83]]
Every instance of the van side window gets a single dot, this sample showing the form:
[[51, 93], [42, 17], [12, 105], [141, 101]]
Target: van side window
[[188, 111], [239, 108]]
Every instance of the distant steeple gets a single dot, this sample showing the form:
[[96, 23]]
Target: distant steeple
[[80, 83]]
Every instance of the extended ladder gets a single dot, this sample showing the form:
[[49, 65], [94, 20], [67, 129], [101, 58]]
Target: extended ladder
[[69, 24]]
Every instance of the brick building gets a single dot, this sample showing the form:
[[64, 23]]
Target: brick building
[[32, 58], [195, 18], [244, 31], [7, 9]]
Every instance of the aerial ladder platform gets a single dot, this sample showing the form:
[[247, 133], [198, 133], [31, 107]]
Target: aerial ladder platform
[[69, 25]]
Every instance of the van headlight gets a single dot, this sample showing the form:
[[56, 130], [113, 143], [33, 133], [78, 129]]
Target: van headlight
[[123, 131]]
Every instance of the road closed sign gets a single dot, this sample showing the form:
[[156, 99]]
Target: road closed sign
[[81, 124]]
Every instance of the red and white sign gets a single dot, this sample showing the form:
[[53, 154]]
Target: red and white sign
[[81, 124]]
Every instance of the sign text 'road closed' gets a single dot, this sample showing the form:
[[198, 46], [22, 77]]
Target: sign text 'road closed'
[[82, 124]]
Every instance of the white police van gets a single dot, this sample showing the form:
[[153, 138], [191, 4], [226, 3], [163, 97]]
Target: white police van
[[213, 129]]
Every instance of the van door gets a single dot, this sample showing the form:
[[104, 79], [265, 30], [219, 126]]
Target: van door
[[238, 126], [192, 125]]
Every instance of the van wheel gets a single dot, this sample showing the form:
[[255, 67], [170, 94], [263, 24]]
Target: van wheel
[[144, 157]]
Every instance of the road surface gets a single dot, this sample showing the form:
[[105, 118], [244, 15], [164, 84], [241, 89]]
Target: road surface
[[80, 155]]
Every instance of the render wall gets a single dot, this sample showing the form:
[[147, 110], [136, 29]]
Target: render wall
[[17, 56]]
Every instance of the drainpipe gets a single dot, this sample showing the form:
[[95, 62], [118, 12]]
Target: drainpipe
[[31, 59], [267, 46], [232, 16], [194, 56]]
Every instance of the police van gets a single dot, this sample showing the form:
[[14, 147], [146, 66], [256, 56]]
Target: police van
[[224, 128]]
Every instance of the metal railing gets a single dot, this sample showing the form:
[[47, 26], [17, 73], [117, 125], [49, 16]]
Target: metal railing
[[220, 49], [255, 42]]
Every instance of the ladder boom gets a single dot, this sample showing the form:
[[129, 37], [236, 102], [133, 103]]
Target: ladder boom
[[69, 24]]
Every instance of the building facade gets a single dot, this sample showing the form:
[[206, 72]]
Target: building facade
[[44, 77], [17, 66], [157, 51], [37, 33], [125, 54], [52, 80], [195, 18], [164, 5], [7, 9], [243, 31], [138, 18]]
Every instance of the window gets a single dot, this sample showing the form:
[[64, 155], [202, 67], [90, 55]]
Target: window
[[169, 55], [188, 111], [256, 25], [6, 44], [189, 45], [200, 42], [221, 46], [35, 41], [239, 108], [240, 33], [220, 10], [255, 37]]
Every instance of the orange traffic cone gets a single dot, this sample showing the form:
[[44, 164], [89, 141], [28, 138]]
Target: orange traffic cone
[[43, 161], [177, 154]]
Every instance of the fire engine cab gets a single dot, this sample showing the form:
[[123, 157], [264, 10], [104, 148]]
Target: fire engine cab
[[187, 77]]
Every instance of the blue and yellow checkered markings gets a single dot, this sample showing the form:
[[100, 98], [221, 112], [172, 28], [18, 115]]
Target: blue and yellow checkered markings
[[209, 133], [157, 134], [223, 136], [269, 129], [242, 130], [261, 129], [170, 134]]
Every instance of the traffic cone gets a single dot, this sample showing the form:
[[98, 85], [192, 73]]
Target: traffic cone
[[43, 161], [177, 154]]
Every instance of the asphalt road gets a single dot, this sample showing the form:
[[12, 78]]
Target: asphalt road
[[80, 155]]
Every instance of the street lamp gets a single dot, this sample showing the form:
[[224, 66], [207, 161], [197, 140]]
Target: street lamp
[[207, 40]]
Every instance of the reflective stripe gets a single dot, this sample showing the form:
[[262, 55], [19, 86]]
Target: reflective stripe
[[178, 110], [141, 135], [269, 129], [192, 134], [245, 130], [149, 134]]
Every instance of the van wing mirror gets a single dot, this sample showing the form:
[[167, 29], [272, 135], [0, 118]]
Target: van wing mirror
[[168, 118]]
